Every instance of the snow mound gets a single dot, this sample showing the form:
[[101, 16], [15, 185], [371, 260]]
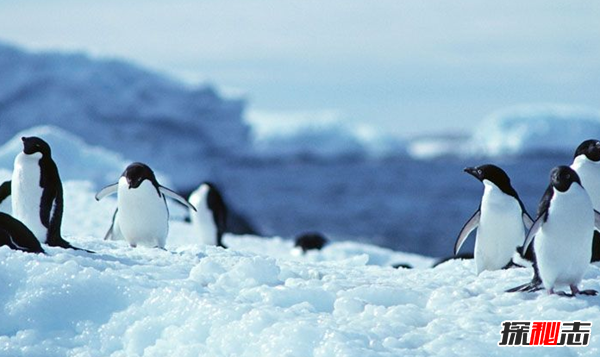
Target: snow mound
[[257, 299], [322, 134], [535, 128]]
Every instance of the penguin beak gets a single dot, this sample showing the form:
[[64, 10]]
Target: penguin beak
[[472, 171]]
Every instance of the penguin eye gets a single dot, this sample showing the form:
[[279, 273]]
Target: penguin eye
[[479, 171]]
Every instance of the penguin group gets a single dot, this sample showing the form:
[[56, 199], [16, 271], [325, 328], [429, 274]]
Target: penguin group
[[559, 243], [141, 217], [562, 240]]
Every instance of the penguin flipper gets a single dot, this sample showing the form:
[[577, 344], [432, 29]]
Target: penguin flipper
[[174, 195], [107, 191], [5, 190], [471, 224], [597, 220], [527, 220], [535, 228]]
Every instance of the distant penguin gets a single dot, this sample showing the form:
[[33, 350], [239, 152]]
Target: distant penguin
[[500, 220], [310, 241], [16, 235], [37, 193], [142, 216], [210, 218], [563, 232]]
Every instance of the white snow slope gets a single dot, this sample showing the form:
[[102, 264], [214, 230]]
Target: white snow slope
[[258, 299]]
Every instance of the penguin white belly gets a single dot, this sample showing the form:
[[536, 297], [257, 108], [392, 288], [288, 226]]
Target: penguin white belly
[[589, 173], [27, 193], [500, 230], [204, 225], [202, 220], [143, 218], [563, 244]]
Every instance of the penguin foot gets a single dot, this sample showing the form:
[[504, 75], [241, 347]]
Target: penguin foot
[[575, 290], [512, 264], [564, 294], [526, 288]]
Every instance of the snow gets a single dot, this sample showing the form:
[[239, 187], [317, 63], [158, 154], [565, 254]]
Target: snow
[[257, 298]]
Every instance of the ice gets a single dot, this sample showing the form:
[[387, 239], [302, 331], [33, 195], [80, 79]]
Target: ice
[[535, 128]]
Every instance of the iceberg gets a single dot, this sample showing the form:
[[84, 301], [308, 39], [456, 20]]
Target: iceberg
[[145, 116], [544, 128]]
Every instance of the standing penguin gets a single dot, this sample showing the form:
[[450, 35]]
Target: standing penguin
[[210, 219], [563, 232], [142, 215], [586, 162], [37, 193], [16, 235], [500, 220]]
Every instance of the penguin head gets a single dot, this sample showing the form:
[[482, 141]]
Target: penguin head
[[561, 178], [136, 173], [33, 144], [491, 173], [589, 148]]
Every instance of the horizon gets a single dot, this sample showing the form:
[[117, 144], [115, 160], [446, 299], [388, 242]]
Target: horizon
[[410, 68]]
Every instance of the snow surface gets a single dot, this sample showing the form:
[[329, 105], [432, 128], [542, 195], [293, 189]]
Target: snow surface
[[257, 298]]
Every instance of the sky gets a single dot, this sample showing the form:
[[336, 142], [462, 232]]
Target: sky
[[409, 67]]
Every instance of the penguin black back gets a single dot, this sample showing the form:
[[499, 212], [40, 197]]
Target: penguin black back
[[16, 235], [217, 206]]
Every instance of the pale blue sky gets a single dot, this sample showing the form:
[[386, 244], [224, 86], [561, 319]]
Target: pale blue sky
[[408, 66]]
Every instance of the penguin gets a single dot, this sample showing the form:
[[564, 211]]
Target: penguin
[[563, 232], [5, 205], [37, 193], [310, 241], [142, 215], [586, 162], [210, 219], [500, 220], [14, 234]]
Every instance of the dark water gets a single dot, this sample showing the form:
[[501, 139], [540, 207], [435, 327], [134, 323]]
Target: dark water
[[400, 203]]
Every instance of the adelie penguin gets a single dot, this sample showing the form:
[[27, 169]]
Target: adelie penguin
[[500, 220], [563, 232], [210, 217], [37, 192], [142, 215], [16, 235], [586, 162]]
